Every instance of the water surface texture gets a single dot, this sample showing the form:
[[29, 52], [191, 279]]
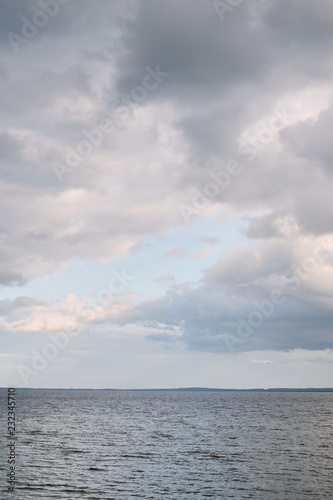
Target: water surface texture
[[172, 445]]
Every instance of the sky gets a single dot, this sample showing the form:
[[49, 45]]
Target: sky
[[166, 193]]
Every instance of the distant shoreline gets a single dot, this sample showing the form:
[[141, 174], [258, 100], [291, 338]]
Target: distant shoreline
[[177, 389]]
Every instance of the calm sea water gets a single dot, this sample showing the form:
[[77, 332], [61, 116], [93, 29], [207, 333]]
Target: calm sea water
[[172, 445]]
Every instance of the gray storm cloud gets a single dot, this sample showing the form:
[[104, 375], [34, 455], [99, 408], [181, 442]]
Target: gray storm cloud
[[224, 95]]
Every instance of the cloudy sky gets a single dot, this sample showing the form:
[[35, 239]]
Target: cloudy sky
[[166, 193]]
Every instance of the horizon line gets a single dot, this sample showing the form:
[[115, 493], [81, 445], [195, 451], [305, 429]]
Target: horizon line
[[191, 388]]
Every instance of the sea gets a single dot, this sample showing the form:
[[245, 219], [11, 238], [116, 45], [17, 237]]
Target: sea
[[177, 445]]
